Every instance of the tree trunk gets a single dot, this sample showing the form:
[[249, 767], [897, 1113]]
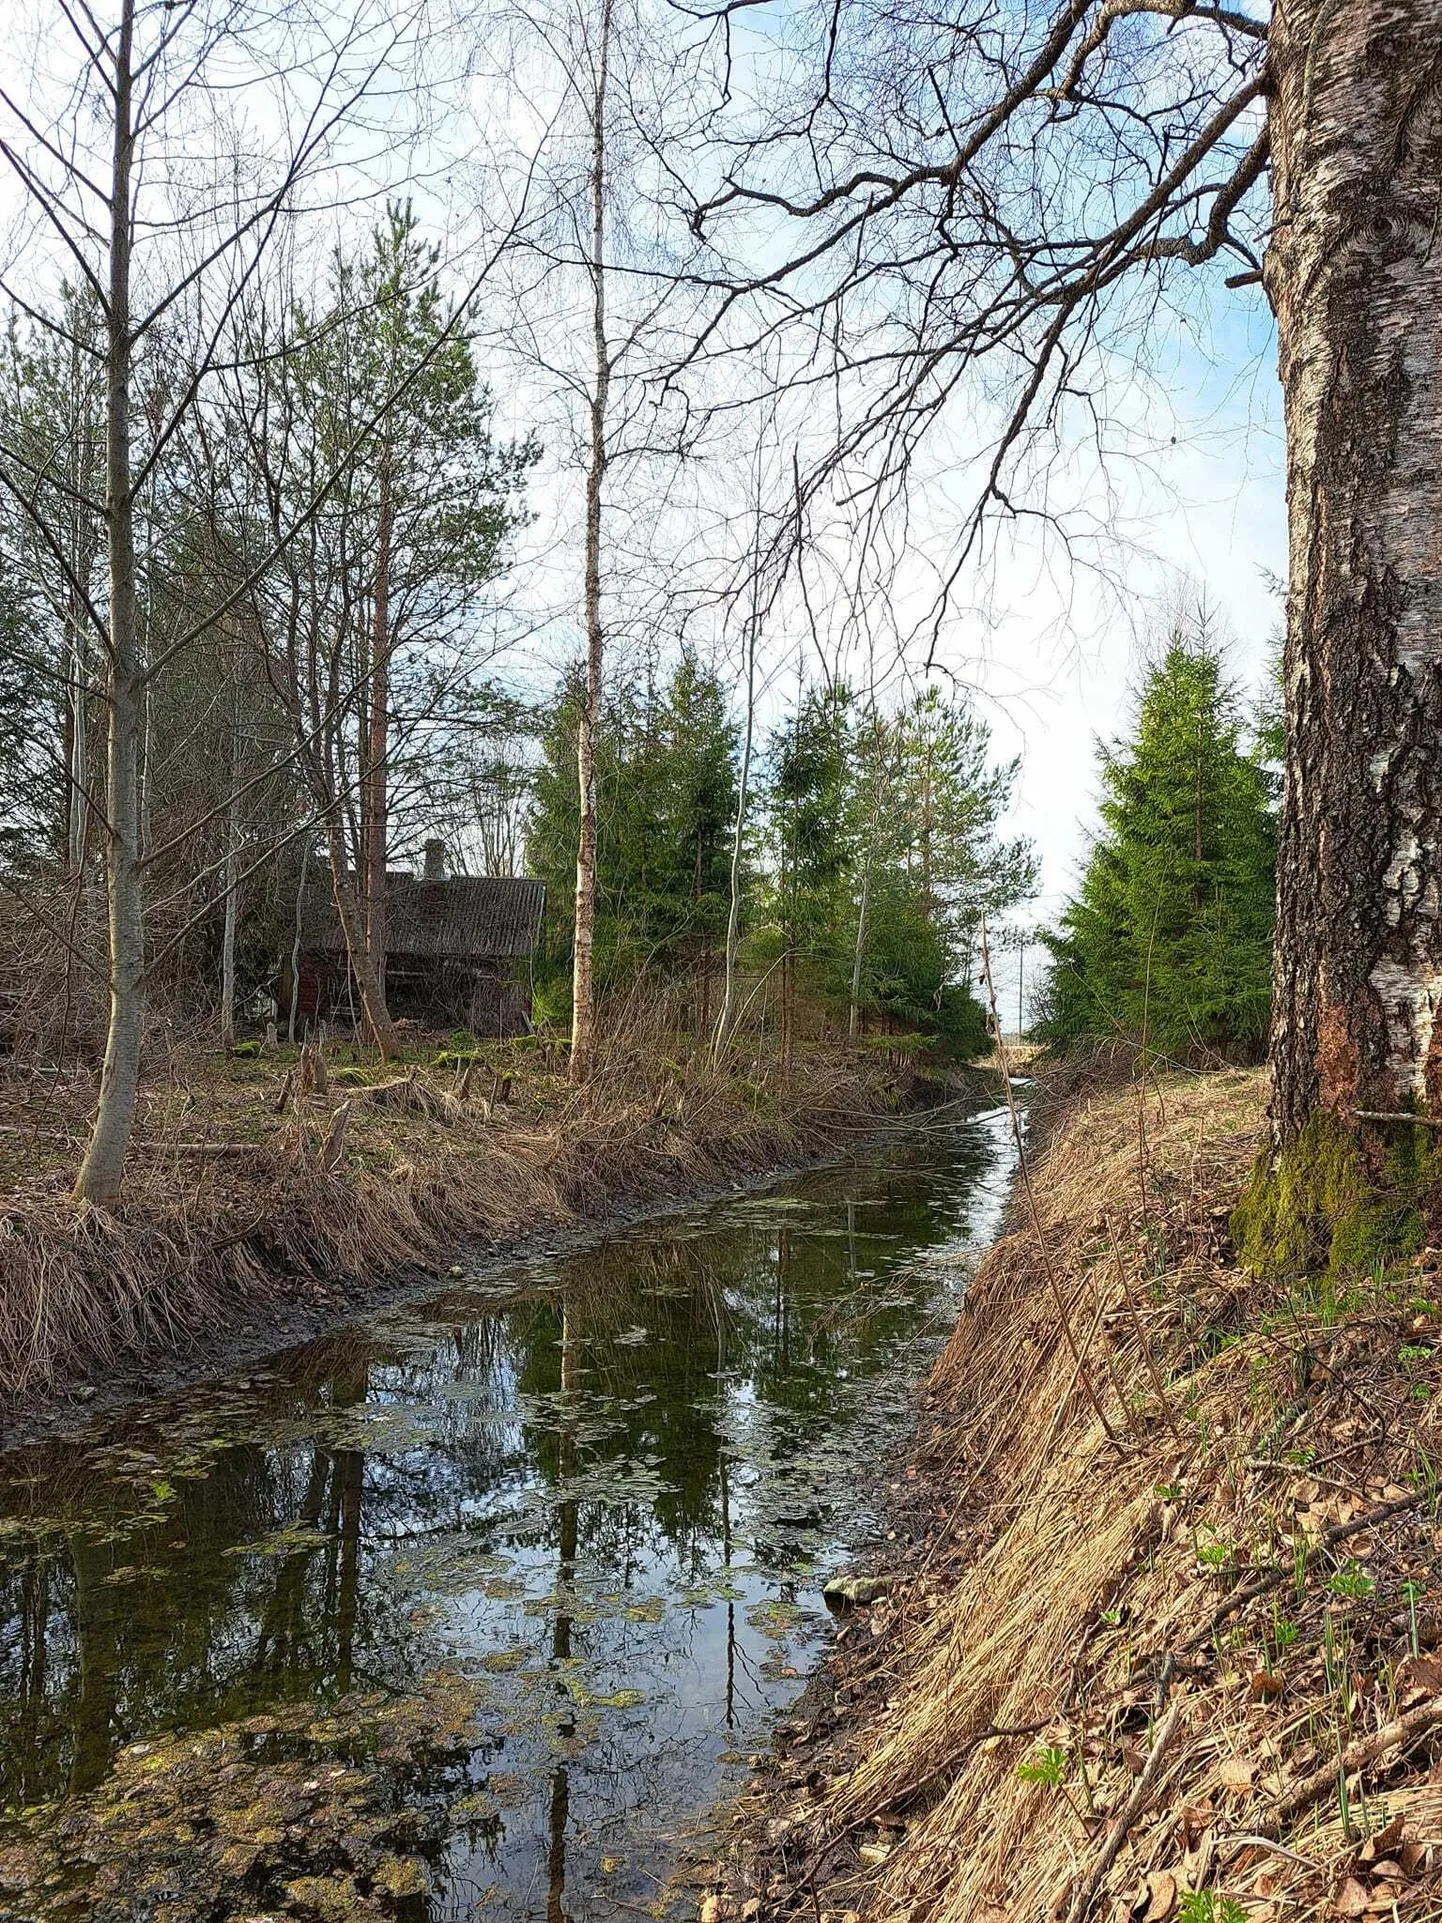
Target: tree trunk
[[104, 1162], [583, 1011], [349, 910], [227, 938], [853, 1026], [295, 940], [1354, 275], [77, 666], [726, 1020], [375, 823]]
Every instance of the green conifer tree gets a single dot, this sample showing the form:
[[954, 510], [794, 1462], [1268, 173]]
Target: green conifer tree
[[1170, 931]]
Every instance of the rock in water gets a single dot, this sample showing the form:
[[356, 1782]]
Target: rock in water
[[855, 1592]]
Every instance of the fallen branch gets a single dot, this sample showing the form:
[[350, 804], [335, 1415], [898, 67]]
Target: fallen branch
[[1394, 1735], [1131, 1810], [215, 1150]]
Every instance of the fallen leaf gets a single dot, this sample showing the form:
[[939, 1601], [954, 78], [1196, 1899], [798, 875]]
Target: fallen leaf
[[1192, 1823], [1383, 1842], [1421, 1676], [1351, 1899], [1163, 1898]]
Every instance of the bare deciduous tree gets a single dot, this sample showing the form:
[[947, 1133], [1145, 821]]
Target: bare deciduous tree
[[995, 205], [135, 177]]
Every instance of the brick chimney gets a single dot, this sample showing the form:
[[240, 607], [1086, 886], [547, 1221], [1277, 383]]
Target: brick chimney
[[435, 862]]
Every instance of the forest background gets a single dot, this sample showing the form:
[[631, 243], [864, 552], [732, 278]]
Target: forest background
[[367, 553]]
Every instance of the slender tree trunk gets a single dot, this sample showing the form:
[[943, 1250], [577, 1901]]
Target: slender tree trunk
[[227, 937], [77, 772], [725, 1021], [853, 1026], [583, 1010], [350, 910], [295, 942], [231, 870], [104, 1162], [376, 824], [1354, 274]]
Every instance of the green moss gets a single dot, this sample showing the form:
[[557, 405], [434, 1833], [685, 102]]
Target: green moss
[[1316, 1207]]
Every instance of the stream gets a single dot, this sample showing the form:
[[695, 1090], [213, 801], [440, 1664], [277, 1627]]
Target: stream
[[480, 1606]]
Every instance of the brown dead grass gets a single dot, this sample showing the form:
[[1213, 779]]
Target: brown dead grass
[[1235, 1568], [231, 1210]]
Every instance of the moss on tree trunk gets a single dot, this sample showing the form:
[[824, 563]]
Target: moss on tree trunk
[[1338, 1200]]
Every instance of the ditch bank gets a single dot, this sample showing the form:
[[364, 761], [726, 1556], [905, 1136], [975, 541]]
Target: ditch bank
[[1162, 1630], [243, 1230]]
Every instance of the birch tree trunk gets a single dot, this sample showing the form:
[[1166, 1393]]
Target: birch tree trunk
[[858, 958], [227, 937], [583, 1010], [375, 827], [104, 1162], [726, 1020], [1354, 275], [351, 912]]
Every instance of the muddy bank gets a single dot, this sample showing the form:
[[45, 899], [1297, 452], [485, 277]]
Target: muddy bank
[[1163, 1638], [253, 1233]]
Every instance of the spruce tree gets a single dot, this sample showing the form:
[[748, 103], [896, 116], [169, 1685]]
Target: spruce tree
[[1170, 931]]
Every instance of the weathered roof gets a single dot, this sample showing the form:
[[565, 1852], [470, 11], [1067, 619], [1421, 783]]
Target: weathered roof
[[463, 917]]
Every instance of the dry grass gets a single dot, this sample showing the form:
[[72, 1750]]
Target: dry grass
[[231, 1208], [1184, 1628]]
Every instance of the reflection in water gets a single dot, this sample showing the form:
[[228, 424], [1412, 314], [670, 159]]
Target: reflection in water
[[589, 1505]]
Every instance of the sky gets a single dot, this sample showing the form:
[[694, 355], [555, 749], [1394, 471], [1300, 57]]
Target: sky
[[1218, 525]]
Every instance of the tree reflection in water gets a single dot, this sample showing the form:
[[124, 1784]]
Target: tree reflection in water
[[599, 1489]]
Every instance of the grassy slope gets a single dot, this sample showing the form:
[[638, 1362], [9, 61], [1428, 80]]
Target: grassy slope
[[233, 1212], [1186, 1622]]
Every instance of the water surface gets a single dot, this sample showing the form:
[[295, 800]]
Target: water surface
[[475, 1608]]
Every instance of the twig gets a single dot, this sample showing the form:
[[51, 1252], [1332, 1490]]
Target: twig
[[1024, 1170], [1393, 1735], [1302, 1469], [1265, 1843], [1131, 1810], [1147, 1356], [206, 1149], [1338, 1531]]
